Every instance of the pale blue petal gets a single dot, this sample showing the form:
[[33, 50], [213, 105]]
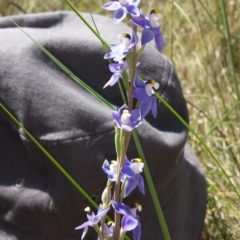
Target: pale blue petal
[[115, 77], [119, 15], [127, 128], [84, 232], [141, 21], [132, 10], [137, 231], [83, 225], [109, 55], [130, 185], [140, 183], [126, 161], [116, 67], [145, 108], [121, 208], [135, 2], [112, 6], [98, 217], [116, 116], [154, 106], [159, 40], [127, 171], [140, 94], [128, 223], [147, 35], [137, 82]]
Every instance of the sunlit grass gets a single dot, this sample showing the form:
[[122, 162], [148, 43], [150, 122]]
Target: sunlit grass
[[198, 45]]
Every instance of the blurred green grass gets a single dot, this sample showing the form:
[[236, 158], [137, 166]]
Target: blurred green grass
[[199, 47]]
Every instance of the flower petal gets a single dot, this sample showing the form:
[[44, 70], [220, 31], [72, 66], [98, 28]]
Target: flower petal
[[128, 223], [116, 67], [115, 77], [127, 171], [121, 208], [154, 106], [130, 185], [132, 10], [126, 161], [82, 225], [140, 94], [147, 35], [135, 2], [140, 183], [145, 108], [106, 169], [119, 15], [137, 231], [112, 5], [109, 55], [137, 82], [159, 40], [84, 232], [141, 21], [116, 116], [101, 212]]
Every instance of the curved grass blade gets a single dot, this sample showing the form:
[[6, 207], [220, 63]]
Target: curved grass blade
[[152, 189]]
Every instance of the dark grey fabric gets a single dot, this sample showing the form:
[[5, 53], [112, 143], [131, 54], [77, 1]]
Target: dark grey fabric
[[78, 131]]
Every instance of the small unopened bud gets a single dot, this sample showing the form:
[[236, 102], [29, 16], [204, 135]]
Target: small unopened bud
[[106, 196], [87, 209]]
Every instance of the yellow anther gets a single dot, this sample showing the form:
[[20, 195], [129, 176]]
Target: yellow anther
[[126, 35], [125, 111], [155, 11], [153, 81], [113, 161], [137, 160], [111, 223], [138, 206]]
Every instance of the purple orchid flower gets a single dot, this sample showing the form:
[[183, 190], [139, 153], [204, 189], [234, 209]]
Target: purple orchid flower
[[144, 92], [127, 120], [122, 7], [130, 220], [116, 69], [110, 169], [131, 171], [120, 50], [152, 29], [109, 229], [92, 219]]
